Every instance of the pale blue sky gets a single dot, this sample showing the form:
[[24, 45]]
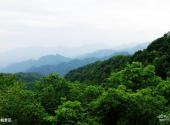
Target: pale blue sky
[[102, 23]]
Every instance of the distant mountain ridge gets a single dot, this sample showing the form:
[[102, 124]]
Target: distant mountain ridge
[[137, 47], [157, 53], [102, 53], [64, 68], [110, 52], [98, 71], [62, 65], [61, 68], [25, 65]]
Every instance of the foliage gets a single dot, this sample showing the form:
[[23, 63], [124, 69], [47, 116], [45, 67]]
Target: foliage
[[157, 54], [135, 76], [99, 71], [21, 106], [118, 91], [50, 90], [6, 80], [28, 77], [122, 107], [133, 96], [69, 113]]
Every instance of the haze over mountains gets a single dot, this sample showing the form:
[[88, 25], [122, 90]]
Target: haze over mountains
[[17, 55], [106, 52], [62, 65], [26, 53], [45, 60], [157, 54], [57, 63], [62, 68]]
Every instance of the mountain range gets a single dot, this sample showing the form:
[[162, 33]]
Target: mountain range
[[65, 67], [62, 65], [156, 53], [25, 65]]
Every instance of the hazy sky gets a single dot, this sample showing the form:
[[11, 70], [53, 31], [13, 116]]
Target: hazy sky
[[100, 23]]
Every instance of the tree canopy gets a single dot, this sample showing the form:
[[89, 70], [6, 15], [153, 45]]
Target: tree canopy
[[124, 90]]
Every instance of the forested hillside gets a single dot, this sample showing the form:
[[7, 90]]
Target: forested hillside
[[124, 90], [131, 96], [157, 54], [98, 71], [65, 67]]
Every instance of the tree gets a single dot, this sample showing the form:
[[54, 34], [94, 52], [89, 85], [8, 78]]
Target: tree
[[50, 90], [21, 106], [135, 76], [122, 107], [163, 89], [97, 72], [69, 113], [6, 80]]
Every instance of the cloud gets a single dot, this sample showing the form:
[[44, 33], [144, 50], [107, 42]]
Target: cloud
[[80, 22]]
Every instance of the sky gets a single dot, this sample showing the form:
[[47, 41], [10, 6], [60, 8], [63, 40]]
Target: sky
[[96, 24]]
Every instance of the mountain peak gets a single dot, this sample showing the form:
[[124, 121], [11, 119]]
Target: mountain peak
[[44, 60]]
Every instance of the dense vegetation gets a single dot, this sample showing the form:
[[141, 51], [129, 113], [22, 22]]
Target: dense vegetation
[[157, 54], [65, 67], [119, 91], [132, 96], [98, 71]]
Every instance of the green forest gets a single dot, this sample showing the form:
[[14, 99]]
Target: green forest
[[123, 90]]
